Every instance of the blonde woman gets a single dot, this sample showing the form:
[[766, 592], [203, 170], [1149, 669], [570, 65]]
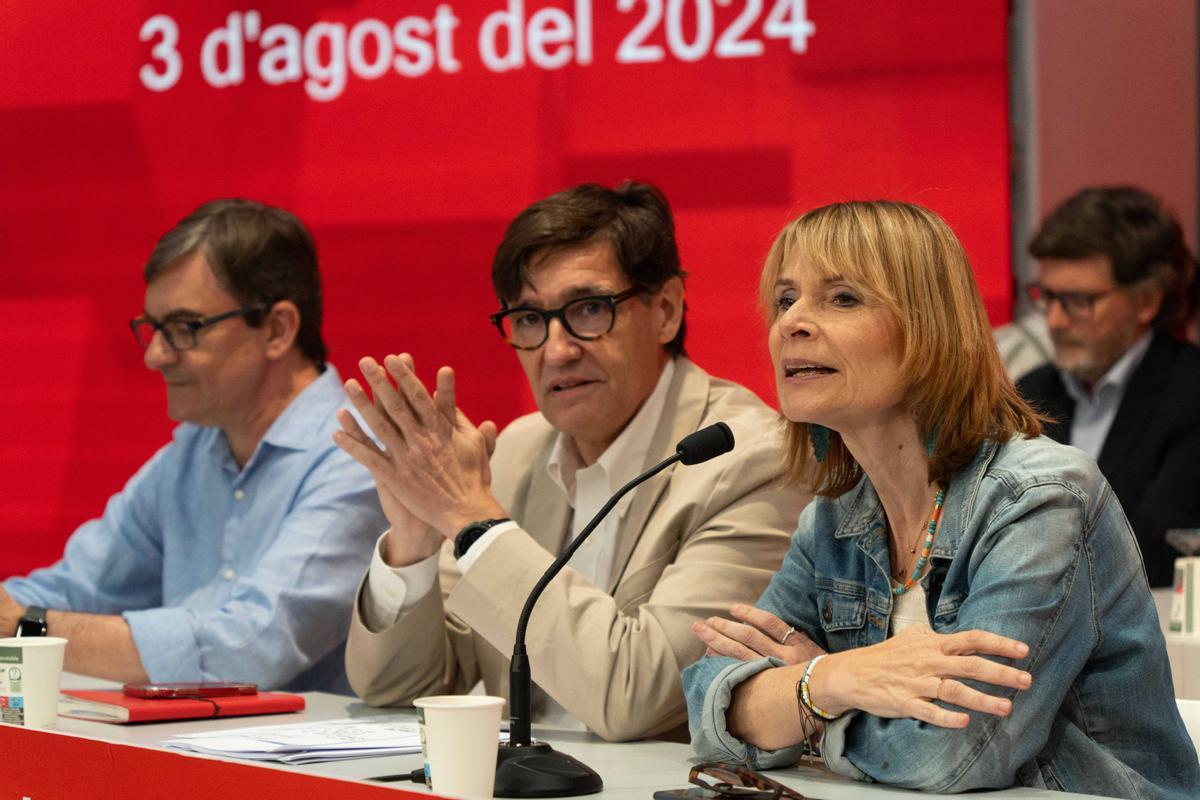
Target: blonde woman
[[964, 605]]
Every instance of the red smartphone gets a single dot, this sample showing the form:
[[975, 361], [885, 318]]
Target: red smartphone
[[175, 691]]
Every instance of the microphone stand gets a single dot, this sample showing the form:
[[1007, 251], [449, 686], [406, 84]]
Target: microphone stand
[[525, 768]]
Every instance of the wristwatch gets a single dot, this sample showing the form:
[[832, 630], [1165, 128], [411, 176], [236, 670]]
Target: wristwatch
[[32, 622], [471, 533]]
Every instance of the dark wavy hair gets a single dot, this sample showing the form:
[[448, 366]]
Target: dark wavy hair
[[260, 254], [1140, 237], [634, 218]]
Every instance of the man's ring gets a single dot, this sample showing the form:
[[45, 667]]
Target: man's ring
[[790, 631]]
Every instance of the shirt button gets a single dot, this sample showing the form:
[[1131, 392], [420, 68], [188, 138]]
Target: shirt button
[[238, 494], [229, 573]]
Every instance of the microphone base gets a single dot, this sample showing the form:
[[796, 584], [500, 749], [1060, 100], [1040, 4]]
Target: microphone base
[[538, 770]]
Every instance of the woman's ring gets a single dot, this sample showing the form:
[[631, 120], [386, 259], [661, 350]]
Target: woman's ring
[[790, 631]]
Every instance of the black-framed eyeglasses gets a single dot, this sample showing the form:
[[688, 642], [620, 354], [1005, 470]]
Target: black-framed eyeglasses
[[739, 782], [181, 333], [1077, 305], [585, 318]]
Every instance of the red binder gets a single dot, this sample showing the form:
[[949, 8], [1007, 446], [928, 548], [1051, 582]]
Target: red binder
[[103, 705]]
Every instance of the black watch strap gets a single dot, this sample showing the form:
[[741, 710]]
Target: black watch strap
[[471, 534], [32, 622]]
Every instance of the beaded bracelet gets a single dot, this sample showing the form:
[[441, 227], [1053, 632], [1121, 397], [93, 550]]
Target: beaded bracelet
[[806, 698]]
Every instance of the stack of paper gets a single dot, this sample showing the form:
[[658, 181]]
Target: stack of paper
[[308, 742]]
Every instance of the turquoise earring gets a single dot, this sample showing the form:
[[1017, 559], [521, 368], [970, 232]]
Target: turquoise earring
[[819, 436]]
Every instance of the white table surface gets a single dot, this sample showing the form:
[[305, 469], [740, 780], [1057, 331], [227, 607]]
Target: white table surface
[[631, 771]]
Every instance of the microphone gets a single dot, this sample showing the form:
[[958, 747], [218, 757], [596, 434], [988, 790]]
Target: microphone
[[525, 768], [704, 444]]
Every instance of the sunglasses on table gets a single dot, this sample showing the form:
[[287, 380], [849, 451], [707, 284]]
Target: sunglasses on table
[[721, 781]]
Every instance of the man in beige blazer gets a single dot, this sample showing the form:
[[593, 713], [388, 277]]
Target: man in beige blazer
[[592, 297]]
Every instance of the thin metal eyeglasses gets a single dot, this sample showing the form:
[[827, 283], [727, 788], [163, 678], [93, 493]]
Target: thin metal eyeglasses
[[1077, 305], [585, 318], [181, 333], [739, 782]]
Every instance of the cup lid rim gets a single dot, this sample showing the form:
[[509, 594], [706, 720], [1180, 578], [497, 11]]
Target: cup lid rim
[[35, 641], [457, 701]]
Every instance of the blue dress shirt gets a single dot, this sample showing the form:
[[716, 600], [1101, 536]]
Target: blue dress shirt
[[228, 574]]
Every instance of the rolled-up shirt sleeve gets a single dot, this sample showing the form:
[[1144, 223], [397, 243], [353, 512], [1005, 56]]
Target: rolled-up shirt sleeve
[[710, 682], [167, 644], [709, 685]]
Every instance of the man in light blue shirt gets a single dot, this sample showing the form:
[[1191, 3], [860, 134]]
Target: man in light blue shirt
[[234, 552]]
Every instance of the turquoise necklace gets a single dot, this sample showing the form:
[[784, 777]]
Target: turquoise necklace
[[930, 531]]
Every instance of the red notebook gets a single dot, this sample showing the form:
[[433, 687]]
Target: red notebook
[[105, 705]]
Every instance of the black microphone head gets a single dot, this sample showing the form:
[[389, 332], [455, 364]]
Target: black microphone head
[[705, 443]]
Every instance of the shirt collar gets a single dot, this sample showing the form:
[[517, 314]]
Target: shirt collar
[[307, 413], [1117, 375], [622, 460], [295, 427]]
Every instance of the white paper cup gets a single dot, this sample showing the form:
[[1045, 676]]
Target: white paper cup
[[1185, 600], [30, 671], [460, 735]]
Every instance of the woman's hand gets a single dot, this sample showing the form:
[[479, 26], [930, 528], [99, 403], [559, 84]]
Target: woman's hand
[[756, 634], [902, 676]]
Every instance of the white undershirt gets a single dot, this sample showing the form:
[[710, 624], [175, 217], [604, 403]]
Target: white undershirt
[[908, 609]]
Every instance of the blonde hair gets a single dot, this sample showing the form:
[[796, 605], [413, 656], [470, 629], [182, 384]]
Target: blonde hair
[[907, 259]]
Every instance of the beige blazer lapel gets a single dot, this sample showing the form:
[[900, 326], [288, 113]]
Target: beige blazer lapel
[[544, 514], [687, 399]]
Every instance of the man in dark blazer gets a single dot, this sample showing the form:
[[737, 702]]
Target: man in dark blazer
[[1117, 282]]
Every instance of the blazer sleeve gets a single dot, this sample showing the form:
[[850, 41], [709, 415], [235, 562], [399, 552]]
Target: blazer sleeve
[[426, 651], [1164, 492]]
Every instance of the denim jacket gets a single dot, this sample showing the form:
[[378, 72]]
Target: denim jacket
[[1033, 545]]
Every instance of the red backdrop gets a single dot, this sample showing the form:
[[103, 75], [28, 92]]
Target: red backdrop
[[118, 118]]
